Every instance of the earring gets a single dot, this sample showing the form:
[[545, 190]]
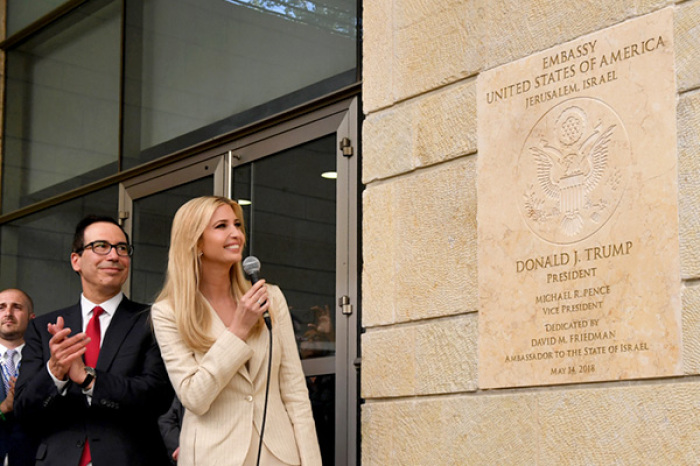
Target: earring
[[201, 253]]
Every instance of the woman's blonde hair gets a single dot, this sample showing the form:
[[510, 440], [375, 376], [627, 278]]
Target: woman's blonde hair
[[181, 288]]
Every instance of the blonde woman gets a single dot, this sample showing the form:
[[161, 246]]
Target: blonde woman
[[209, 326]]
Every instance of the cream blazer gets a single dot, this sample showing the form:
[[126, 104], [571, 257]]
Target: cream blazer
[[224, 391]]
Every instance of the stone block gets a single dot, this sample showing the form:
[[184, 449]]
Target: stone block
[[433, 129], [436, 272], [378, 252], [691, 329], [435, 51], [689, 183], [422, 244], [651, 424], [433, 357], [491, 429], [687, 32], [445, 124], [377, 55], [377, 434], [446, 359], [388, 362], [462, 430], [388, 143]]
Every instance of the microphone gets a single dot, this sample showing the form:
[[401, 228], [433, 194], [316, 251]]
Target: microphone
[[251, 267]]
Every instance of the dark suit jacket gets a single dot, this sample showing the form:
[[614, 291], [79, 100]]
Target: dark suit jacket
[[170, 425], [15, 442], [130, 392]]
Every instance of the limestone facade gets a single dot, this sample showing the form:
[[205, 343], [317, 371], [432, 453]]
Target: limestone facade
[[420, 311]]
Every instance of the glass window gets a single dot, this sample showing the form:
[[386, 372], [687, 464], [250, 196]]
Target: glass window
[[290, 217], [62, 107], [290, 203], [35, 250], [152, 221], [22, 13], [202, 68]]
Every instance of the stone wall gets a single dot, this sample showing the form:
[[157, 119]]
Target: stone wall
[[420, 309]]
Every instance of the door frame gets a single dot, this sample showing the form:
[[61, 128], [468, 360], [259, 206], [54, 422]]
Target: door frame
[[340, 118]]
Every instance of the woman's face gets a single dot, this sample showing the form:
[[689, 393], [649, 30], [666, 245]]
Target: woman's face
[[223, 239]]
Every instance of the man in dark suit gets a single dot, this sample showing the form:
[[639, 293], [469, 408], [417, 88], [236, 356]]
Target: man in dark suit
[[16, 310], [93, 382]]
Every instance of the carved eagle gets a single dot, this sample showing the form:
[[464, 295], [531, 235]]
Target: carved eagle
[[578, 170]]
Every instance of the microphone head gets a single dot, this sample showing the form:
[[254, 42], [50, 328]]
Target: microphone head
[[251, 265]]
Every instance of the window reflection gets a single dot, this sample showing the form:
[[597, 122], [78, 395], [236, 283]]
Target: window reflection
[[152, 218], [318, 337], [198, 69], [291, 226], [336, 16], [22, 13], [35, 250], [62, 107]]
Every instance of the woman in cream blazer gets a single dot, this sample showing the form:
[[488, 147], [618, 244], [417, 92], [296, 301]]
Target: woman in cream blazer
[[208, 324]]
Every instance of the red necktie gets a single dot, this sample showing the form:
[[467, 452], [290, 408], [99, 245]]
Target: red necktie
[[93, 331], [92, 351]]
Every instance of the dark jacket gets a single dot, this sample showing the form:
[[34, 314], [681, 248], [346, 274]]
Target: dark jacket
[[14, 441], [170, 425], [130, 392]]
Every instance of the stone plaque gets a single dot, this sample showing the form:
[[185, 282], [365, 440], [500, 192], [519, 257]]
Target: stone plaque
[[579, 275]]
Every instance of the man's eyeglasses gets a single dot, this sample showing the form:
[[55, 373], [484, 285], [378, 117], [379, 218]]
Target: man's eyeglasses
[[104, 247]]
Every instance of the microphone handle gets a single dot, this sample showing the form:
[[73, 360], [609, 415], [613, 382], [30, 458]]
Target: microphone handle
[[254, 277]]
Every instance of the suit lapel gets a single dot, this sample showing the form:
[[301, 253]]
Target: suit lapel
[[122, 321], [73, 319], [259, 343]]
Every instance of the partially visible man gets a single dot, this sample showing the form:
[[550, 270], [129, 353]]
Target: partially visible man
[[16, 309], [92, 379]]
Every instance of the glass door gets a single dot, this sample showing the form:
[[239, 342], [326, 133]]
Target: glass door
[[297, 184], [149, 204], [290, 213]]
